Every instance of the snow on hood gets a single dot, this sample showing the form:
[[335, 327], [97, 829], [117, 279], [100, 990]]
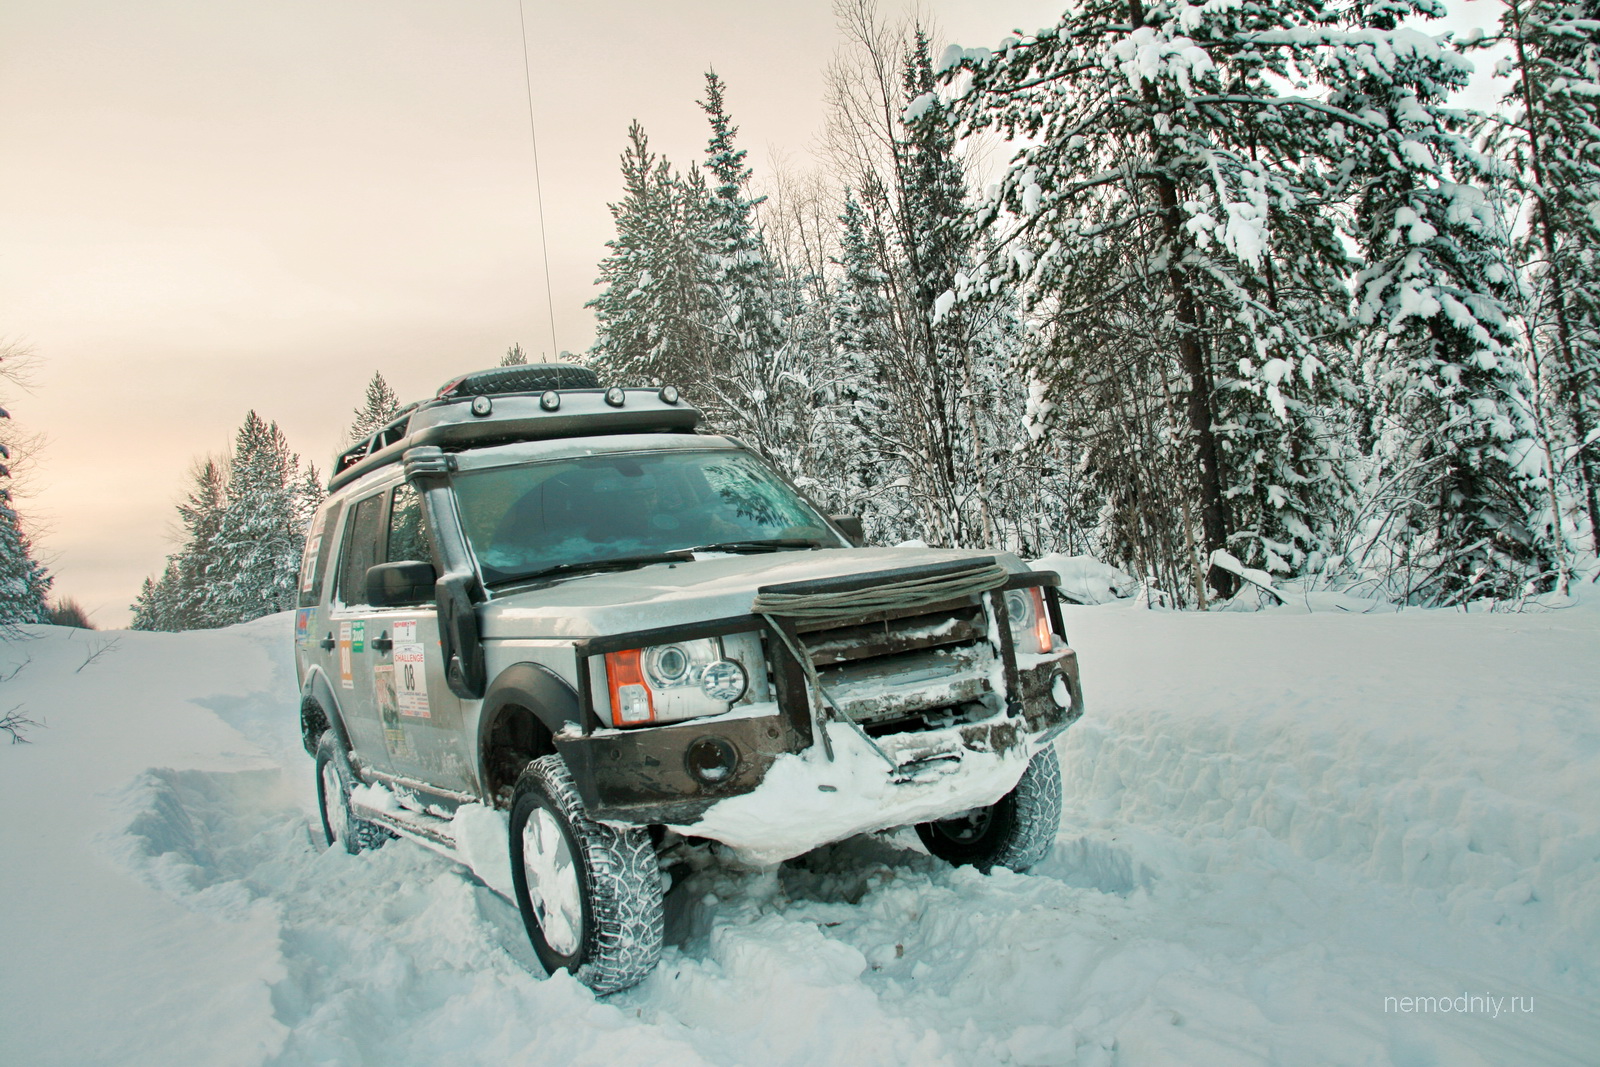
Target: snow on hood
[[712, 586]]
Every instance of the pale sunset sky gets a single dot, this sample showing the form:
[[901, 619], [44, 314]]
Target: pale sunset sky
[[210, 206]]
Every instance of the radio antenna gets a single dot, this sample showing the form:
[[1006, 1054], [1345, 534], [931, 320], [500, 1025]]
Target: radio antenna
[[538, 187]]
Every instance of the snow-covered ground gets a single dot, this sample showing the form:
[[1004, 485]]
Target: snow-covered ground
[[1280, 830]]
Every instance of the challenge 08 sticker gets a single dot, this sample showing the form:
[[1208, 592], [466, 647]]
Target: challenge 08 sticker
[[410, 672]]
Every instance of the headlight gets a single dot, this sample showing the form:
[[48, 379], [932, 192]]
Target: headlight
[[1030, 623], [684, 680]]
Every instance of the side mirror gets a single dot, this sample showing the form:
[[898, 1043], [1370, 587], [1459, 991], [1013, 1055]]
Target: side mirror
[[394, 585], [850, 526]]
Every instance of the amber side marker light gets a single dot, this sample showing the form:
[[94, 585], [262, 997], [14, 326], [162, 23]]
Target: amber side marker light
[[631, 703]]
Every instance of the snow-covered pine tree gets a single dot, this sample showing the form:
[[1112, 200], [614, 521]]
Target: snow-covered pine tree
[[262, 530], [861, 463], [651, 317], [1548, 128], [1179, 169], [1455, 509], [24, 582], [515, 356], [185, 597], [380, 406], [155, 608], [755, 386], [193, 599]]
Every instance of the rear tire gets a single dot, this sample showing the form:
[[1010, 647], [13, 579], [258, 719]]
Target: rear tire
[[590, 894], [1015, 832], [335, 780]]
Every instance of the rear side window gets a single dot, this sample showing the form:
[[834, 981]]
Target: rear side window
[[363, 548], [319, 545]]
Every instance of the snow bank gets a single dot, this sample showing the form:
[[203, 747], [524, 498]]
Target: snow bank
[[1274, 823], [1451, 754], [1086, 580]]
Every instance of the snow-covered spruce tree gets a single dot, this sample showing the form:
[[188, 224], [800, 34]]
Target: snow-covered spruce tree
[[944, 423], [262, 529], [514, 357], [651, 317], [184, 597], [24, 582], [862, 461], [1452, 504], [1548, 129], [380, 406], [1184, 168], [755, 387]]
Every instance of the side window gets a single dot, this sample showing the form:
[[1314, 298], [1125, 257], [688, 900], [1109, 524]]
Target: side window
[[407, 539], [363, 548], [314, 564]]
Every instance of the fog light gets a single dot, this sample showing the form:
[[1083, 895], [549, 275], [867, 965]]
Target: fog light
[[669, 394], [616, 397], [711, 760], [481, 406], [1060, 691], [723, 680], [550, 400]]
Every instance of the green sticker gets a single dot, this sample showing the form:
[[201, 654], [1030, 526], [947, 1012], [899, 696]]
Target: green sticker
[[358, 637]]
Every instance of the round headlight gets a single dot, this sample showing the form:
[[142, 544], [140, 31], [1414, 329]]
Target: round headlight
[[669, 394], [667, 665], [616, 397], [550, 400], [723, 680], [1019, 607]]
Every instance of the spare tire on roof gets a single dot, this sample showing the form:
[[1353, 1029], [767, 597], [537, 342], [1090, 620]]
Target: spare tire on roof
[[528, 378]]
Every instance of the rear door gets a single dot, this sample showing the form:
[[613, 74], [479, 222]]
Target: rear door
[[350, 666]]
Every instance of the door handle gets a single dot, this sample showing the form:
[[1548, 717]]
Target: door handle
[[328, 642], [382, 643]]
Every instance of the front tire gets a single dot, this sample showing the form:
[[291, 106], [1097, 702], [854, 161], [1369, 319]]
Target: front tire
[[335, 780], [1015, 832], [590, 894]]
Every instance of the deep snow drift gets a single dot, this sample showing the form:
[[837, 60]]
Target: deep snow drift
[[1280, 830]]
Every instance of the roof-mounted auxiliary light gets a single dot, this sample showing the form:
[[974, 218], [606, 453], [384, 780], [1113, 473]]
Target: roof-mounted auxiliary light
[[550, 400], [668, 394], [481, 406], [616, 397]]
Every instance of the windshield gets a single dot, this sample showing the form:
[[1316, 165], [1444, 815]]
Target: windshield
[[566, 514]]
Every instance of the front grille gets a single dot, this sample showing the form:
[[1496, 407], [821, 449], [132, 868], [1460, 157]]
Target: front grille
[[908, 671]]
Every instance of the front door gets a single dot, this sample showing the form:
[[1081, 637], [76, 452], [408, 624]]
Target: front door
[[421, 717]]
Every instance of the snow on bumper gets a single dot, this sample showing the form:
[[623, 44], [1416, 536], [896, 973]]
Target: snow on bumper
[[806, 800]]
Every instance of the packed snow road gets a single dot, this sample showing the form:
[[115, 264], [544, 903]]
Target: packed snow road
[[1289, 838]]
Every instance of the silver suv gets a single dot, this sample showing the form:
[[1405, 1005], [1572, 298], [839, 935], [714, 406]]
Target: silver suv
[[536, 595]]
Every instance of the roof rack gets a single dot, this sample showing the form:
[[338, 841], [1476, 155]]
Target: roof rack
[[539, 401]]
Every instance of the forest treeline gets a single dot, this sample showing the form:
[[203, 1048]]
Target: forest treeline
[[1250, 287], [1188, 287]]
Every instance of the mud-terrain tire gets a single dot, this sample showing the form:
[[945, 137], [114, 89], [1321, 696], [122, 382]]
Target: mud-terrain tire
[[590, 894], [1015, 832], [335, 779]]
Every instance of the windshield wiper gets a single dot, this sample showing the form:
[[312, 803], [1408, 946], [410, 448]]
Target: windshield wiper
[[771, 544], [618, 563]]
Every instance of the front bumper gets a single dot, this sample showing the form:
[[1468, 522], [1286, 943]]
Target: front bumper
[[642, 776]]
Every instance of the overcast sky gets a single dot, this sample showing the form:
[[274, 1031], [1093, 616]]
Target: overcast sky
[[210, 206]]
